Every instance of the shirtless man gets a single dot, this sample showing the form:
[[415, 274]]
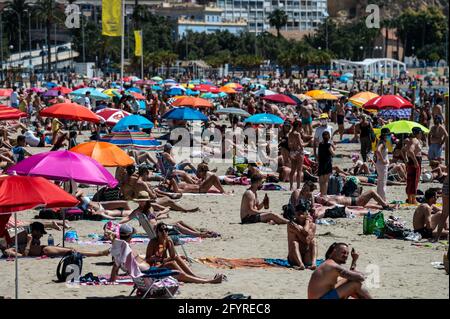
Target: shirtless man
[[427, 217], [251, 208], [302, 243], [361, 200], [33, 246], [413, 151], [325, 282], [437, 110], [306, 115], [436, 139]]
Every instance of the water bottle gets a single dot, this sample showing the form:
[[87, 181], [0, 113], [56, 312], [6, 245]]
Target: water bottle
[[266, 202], [51, 241]]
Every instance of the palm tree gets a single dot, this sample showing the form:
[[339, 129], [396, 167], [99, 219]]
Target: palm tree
[[278, 19], [47, 10], [17, 10]]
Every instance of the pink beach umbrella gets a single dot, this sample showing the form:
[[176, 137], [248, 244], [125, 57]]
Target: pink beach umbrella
[[64, 166]]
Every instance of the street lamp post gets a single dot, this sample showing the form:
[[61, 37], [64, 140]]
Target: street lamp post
[[20, 31]]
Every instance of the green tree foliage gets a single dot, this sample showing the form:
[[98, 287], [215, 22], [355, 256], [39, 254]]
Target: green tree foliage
[[278, 19]]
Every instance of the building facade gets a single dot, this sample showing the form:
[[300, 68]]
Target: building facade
[[302, 15]]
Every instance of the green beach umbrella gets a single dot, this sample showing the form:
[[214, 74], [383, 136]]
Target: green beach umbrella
[[404, 127]]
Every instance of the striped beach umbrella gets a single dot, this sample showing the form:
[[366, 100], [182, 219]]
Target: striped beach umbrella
[[135, 140]]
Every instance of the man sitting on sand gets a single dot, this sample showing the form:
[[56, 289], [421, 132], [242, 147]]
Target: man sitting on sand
[[325, 282], [427, 216], [33, 246], [251, 208], [302, 243]]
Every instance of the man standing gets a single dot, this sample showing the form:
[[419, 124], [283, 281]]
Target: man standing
[[306, 114], [324, 282], [413, 152], [87, 100], [436, 139], [14, 98], [318, 134]]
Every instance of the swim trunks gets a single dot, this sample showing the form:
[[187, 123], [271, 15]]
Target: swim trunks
[[340, 119], [306, 120], [251, 219], [371, 180], [332, 294], [425, 232], [354, 200]]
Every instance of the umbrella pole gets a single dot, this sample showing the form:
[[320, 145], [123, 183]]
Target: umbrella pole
[[64, 225], [16, 260]]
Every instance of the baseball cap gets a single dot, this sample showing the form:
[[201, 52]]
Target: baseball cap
[[38, 227], [323, 116], [126, 230]]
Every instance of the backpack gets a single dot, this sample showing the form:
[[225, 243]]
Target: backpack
[[351, 189], [106, 194], [71, 263], [335, 185]]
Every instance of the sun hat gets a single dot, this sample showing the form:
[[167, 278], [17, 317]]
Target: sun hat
[[126, 230], [39, 227], [143, 196]]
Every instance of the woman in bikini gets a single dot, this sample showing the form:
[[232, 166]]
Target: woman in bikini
[[161, 253], [296, 145]]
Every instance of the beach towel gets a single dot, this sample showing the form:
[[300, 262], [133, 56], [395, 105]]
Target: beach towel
[[124, 258], [234, 263], [273, 187]]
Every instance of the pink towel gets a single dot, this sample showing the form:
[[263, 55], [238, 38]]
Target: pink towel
[[123, 257]]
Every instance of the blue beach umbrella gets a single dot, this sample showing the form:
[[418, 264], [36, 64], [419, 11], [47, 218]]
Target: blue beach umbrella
[[175, 91], [185, 114], [156, 88], [264, 118], [192, 92], [130, 121], [134, 89], [95, 94]]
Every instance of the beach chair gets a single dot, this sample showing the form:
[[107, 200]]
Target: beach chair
[[166, 170], [155, 281], [151, 233]]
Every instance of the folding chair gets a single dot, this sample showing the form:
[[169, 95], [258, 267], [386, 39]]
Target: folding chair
[[144, 282], [151, 233]]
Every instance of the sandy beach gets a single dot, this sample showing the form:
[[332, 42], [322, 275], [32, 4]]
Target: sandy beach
[[405, 270]]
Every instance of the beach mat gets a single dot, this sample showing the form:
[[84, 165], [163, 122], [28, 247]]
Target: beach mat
[[235, 263]]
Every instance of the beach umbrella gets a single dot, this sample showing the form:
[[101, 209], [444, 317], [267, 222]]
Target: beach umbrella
[[36, 90], [95, 94], [107, 154], [136, 95], [145, 82], [264, 118], [227, 89], [362, 98], [11, 114], [210, 95], [137, 140], [303, 97], [5, 92], [325, 96], [51, 93], [192, 102], [314, 93], [395, 113], [134, 89], [63, 89], [70, 111], [387, 102], [348, 75], [264, 92], [64, 166], [19, 193], [175, 91], [192, 92], [133, 120], [111, 92], [112, 116], [157, 78], [234, 86], [404, 127], [206, 88], [51, 85], [344, 79], [280, 98], [185, 114], [233, 110]]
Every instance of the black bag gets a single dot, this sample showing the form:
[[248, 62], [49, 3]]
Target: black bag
[[351, 189], [47, 213], [71, 263], [335, 212], [395, 231], [237, 296], [335, 185], [106, 194]]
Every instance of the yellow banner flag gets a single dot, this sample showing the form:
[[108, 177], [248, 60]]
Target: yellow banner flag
[[112, 18], [138, 42]]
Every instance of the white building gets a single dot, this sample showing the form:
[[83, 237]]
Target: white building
[[302, 14]]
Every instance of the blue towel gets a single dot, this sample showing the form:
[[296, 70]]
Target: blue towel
[[286, 263]]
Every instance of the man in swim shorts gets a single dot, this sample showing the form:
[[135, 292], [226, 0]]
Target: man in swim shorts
[[427, 217], [324, 283]]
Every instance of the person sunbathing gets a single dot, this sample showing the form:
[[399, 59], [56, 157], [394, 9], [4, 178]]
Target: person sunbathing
[[102, 210], [251, 208], [32, 246], [170, 165], [362, 200], [161, 253], [302, 243], [212, 182], [325, 282], [427, 217], [176, 228], [142, 157]]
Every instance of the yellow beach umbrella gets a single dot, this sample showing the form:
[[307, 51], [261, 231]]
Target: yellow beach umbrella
[[362, 98], [315, 93], [326, 96], [111, 92]]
